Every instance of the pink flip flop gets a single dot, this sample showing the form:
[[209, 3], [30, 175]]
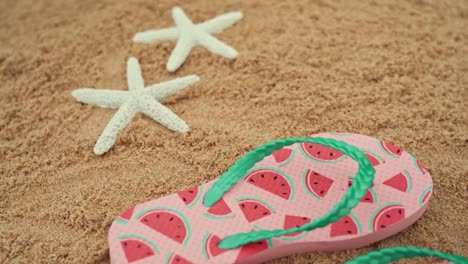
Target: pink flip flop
[[332, 191]]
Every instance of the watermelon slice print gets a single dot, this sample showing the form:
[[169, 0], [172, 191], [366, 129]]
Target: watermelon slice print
[[347, 225], [167, 221], [292, 221], [369, 197], [401, 182], [283, 156], [425, 195], [419, 166], [137, 247], [386, 215], [252, 249], [219, 211], [316, 184], [272, 180], [320, 153], [125, 216], [254, 208], [374, 159], [210, 247], [191, 196], [389, 149], [172, 258]]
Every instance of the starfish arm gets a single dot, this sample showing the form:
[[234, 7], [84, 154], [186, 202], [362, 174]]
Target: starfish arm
[[180, 18], [162, 115], [102, 98], [151, 36], [220, 23], [216, 46], [134, 76], [107, 139], [180, 53], [162, 90]]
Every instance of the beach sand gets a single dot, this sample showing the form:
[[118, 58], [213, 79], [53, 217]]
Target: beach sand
[[392, 71]]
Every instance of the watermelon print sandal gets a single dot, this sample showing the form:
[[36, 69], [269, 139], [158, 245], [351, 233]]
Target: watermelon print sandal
[[328, 192], [388, 255]]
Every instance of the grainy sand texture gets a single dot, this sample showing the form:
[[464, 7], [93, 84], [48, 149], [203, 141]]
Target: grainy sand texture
[[395, 70]]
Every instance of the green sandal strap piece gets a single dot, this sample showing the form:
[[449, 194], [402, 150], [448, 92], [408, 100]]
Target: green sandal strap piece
[[362, 181], [387, 255]]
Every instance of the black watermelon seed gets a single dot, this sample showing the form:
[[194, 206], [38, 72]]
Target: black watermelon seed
[[251, 180]]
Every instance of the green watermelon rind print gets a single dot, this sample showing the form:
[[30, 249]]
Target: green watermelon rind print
[[200, 194], [371, 222], [415, 163], [304, 182], [293, 153], [167, 258], [216, 218], [140, 237], [356, 221], [205, 238], [409, 180], [386, 152], [162, 208], [305, 155], [286, 176], [243, 198], [378, 157], [420, 202], [120, 221]]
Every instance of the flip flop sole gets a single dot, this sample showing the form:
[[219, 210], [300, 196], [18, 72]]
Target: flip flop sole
[[291, 187]]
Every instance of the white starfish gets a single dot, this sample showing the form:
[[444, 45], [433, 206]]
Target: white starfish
[[189, 35], [136, 99]]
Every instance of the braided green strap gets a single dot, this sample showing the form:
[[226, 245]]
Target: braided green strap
[[361, 183], [387, 255]]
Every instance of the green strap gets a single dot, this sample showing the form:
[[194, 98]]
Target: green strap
[[387, 255], [361, 183]]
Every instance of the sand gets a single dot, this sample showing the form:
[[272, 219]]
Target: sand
[[393, 71]]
